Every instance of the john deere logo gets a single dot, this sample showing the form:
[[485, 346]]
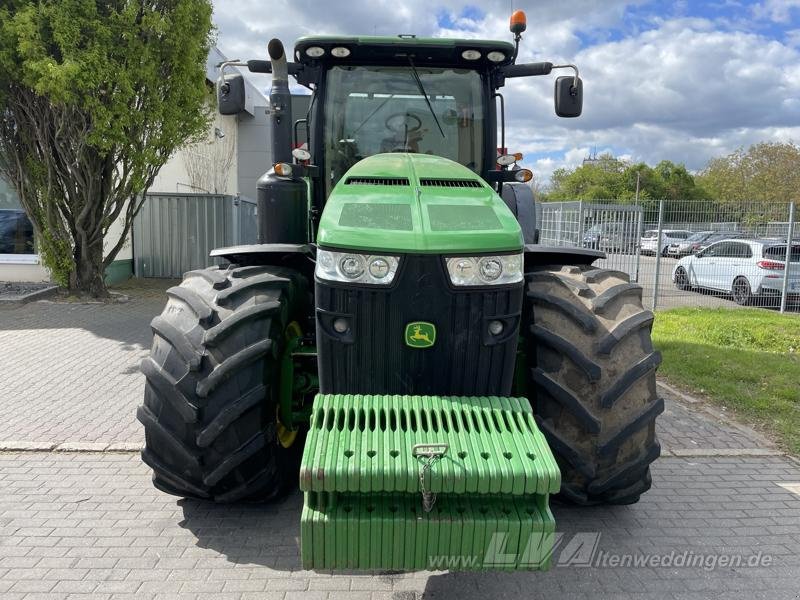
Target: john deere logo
[[420, 334]]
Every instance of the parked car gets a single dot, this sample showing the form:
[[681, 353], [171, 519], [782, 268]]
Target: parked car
[[746, 269], [685, 247], [716, 237], [651, 244], [611, 237]]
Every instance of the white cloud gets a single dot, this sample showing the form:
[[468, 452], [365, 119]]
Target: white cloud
[[684, 89], [779, 11]]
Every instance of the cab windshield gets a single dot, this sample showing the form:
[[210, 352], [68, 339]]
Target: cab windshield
[[369, 110]]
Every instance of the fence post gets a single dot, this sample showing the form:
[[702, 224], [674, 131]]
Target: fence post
[[579, 241], [658, 252], [789, 239], [560, 225], [639, 233]]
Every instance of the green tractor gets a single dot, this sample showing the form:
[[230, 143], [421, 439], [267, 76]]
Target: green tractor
[[398, 343]]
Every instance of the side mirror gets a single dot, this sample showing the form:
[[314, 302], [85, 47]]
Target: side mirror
[[569, 96], [230, 94]]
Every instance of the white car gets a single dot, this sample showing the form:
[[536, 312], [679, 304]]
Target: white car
[[650, 244], [745, 269]]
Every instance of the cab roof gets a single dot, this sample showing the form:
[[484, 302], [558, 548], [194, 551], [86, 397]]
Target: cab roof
[[397, 49]]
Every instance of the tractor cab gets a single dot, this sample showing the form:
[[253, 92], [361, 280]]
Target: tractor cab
[[404, 94], [374, 95]]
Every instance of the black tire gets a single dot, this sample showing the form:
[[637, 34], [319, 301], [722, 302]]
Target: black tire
[[741, 292], [209, 411], [681, 279], [592, 380]]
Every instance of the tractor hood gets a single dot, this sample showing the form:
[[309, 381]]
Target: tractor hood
[[416, 203]]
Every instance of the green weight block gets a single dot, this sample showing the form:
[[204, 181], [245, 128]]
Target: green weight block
[[392, 532], [426, 482]]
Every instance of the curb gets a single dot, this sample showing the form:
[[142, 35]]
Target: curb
[[721, 452], [134, 447], [728, 420], [97, 447], [675, 392], [45, 292]]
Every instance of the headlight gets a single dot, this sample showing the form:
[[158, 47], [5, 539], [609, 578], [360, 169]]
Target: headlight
[[485, 270], [352, 267]]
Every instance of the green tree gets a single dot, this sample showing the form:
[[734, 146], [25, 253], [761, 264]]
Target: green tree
[[609, 178], [95, 95], [768, 171], [596, 180]]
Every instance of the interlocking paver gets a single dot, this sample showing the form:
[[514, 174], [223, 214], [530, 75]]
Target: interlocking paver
[[70, 371], [208, 558], [73, 381], [91, 525]]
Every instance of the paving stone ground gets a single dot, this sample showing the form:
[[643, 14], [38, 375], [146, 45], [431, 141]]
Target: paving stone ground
[[90, 524], [93, 524], [71, 374]]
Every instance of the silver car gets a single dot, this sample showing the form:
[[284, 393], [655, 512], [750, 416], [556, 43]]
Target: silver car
[[651, 245], [685, 247]]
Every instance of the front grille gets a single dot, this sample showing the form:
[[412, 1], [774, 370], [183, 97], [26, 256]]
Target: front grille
[[373, 357], [450, 183], [376, 181]]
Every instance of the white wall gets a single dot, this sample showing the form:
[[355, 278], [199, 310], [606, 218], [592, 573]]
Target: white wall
[[17, 272], [112, 237], [176, 175]]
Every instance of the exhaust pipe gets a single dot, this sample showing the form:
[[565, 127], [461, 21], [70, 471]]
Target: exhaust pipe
[[282, 201], [280, 100]]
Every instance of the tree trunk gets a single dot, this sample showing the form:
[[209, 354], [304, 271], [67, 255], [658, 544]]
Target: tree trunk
[[87, 278]]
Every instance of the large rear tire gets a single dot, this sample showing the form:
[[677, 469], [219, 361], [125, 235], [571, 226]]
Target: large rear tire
[[592, 380], [210, 400]]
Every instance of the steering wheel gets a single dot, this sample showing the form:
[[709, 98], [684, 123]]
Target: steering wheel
[[401, 122]]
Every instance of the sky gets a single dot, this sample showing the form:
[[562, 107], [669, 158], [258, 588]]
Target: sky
[[684, 81]]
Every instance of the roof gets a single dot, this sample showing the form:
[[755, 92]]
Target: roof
[[391, 48]]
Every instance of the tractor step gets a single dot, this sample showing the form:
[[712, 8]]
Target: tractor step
[[426, 482]]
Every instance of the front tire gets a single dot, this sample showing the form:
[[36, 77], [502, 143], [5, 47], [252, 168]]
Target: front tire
[[592, 381], [209, 409]]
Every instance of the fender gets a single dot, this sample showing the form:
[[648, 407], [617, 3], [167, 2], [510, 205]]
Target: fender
[[295, 256], [519, 199], [537, 256]]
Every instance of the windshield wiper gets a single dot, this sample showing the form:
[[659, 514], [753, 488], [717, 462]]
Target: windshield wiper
[[364, 122], [424, 95]]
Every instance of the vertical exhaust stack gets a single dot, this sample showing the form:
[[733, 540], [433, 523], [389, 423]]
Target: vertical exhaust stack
[[280, 100], [282, 200]]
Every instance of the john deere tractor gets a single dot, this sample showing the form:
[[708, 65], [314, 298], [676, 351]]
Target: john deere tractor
[[397, 343]]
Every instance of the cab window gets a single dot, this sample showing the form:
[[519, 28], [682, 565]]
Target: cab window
[[375, 109]]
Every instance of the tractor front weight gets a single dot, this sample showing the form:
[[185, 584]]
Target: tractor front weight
[[426, 482]]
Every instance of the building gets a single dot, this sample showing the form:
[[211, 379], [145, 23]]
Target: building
[[234, 154]]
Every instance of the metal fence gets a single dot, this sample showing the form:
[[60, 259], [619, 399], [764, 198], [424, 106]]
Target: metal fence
[[174, 233], [689, 253], [613, 228]]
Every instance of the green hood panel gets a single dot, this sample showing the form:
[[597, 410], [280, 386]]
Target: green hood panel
[[416, 203]]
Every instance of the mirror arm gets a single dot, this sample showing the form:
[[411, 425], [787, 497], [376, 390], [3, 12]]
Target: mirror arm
[[294, 132], [574, 81], [502, 119], [229, 63]]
